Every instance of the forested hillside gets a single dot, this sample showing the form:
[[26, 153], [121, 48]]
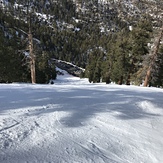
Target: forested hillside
[[114, 40]]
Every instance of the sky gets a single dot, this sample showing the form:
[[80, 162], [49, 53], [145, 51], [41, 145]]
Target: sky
[[74, 121]]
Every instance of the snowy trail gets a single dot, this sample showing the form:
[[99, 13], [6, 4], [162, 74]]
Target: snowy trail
[[78, 122]]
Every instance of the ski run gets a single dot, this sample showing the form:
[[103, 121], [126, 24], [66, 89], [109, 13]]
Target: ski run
[[74, 121]]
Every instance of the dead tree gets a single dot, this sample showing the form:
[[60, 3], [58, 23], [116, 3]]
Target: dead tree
[[154, 55], [31, 48]]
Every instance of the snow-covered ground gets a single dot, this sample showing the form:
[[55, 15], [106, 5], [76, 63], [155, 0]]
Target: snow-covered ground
[[73, 121]]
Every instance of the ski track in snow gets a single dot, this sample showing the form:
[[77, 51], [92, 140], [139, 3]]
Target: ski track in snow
[[78, 122]]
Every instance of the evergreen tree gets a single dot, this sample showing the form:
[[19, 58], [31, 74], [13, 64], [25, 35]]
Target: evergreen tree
[[119, 70], [156, 72], [91, 68], [12, 65], [45, 70], [140, 37], [153, 60], [97, 72]]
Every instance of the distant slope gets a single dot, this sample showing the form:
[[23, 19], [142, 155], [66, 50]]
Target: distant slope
[[64, 77]]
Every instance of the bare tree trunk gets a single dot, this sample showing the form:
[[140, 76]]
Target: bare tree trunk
[[154, 57], [120, 82], [31, 53], [147, 77], [129, 75], [128, 79]]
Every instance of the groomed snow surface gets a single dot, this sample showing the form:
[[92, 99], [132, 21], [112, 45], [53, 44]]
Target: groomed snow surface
[[73, 121]]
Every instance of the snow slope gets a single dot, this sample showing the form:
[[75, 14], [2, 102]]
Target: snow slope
[[73, 121]]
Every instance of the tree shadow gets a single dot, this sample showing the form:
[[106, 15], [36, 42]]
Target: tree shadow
[[83, 109], [82, 104]]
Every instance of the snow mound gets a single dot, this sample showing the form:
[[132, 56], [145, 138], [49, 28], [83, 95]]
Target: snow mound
[[150, 108]]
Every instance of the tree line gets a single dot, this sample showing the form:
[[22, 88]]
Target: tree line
[[110, 44]]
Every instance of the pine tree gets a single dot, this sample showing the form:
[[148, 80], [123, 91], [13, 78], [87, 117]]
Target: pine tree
[[12, 65], [156, 72], [121, 58], [140, 36], [31, 51], [91, 68], [45, 70], [154, 57]]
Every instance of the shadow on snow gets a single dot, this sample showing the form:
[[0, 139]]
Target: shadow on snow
[[81, 104]]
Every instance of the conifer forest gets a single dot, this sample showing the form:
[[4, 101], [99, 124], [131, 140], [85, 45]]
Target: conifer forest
[[118, 41]]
